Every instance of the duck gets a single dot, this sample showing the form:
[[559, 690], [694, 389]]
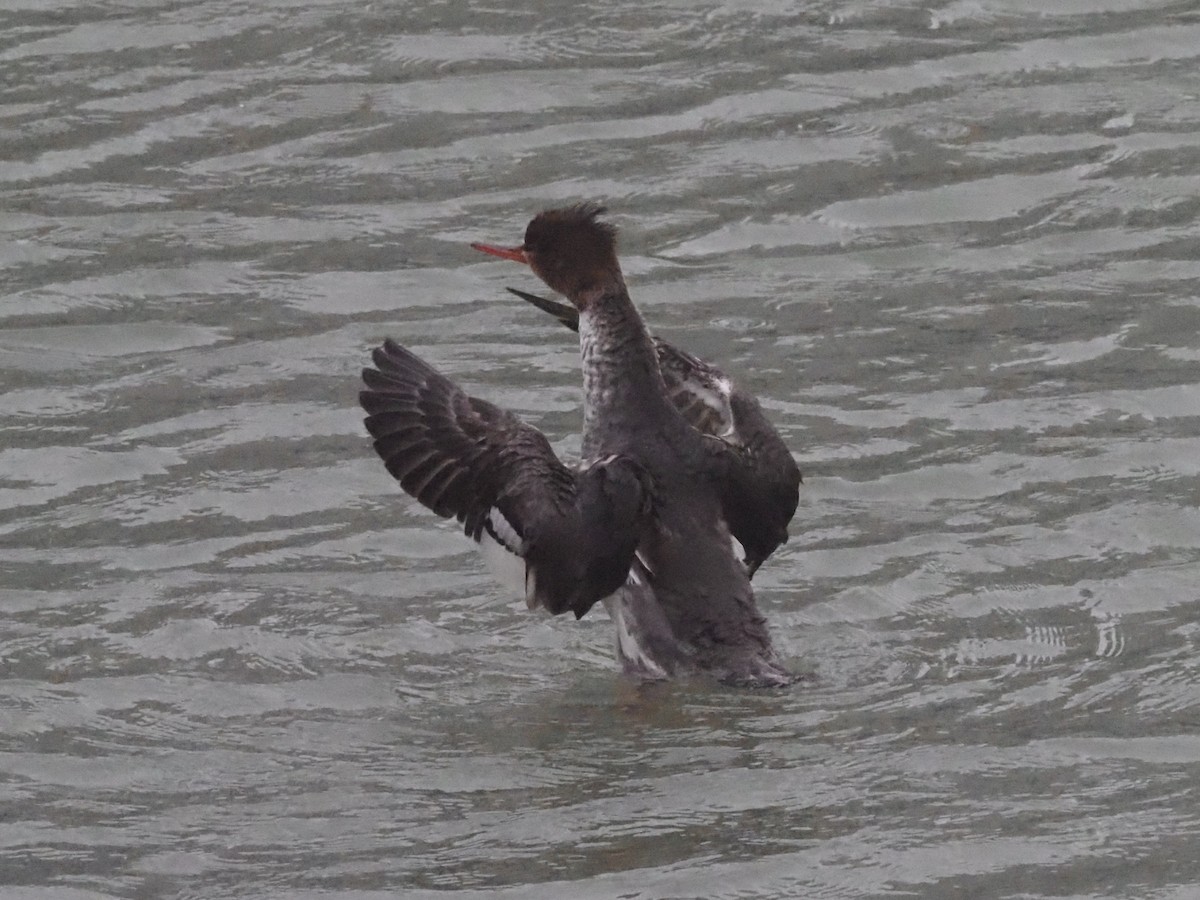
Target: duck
[[713, 405], [678, 468]]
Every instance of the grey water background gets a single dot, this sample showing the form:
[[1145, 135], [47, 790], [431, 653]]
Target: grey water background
[[952, 245]]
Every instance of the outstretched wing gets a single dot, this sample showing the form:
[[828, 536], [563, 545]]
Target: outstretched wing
[[762, 487], [762, 482], [460, 456]]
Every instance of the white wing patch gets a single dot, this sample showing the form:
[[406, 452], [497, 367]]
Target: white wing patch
[[645, 565], [501, 548], [530, 587], [506, 567], [717, 399], [739, 551], [504, 532]]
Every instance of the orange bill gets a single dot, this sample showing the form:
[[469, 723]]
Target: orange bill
[[516, 254]]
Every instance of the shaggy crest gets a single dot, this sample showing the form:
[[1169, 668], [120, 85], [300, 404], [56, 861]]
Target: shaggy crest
[[570, 248]]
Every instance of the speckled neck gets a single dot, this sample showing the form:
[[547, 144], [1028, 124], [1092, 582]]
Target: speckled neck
[[623, 387]]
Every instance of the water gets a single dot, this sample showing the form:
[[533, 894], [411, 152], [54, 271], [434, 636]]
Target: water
[[952, 246]]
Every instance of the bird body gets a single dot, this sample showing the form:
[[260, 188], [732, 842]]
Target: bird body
[[676, 465]]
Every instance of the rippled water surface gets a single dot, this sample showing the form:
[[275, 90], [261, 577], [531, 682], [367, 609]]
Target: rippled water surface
[[953, 246]]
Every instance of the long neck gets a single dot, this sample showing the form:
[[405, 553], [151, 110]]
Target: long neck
[[623, 387]]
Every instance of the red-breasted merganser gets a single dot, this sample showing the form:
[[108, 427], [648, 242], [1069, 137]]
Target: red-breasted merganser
[[768, 479], [676, 463]]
